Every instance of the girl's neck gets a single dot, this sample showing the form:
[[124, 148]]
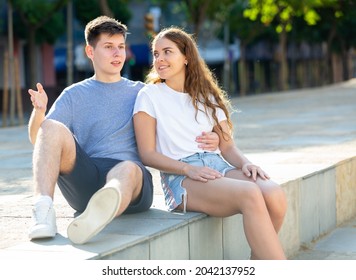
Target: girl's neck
[[175, 86]]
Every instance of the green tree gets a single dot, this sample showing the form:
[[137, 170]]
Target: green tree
[[38, 21], [281, 13], [199, 12], [248, 32], [339, 31], [86, 10]]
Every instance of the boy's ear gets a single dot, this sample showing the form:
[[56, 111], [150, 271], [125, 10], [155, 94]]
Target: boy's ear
[[89, 51]]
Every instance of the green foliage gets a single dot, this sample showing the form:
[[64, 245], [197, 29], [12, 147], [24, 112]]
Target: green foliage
[[283, 11], [219, 10], [338, 26], [197, 12], [246, 30], [87, 10], [51, 31], [311, 17], [45, 17], [48, 33]]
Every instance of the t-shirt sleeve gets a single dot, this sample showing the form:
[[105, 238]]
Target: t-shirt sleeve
[[61, 110], [144, 104], [220, 114]]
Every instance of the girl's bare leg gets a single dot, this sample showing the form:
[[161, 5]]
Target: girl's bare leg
[[225, 197], [273, 195]]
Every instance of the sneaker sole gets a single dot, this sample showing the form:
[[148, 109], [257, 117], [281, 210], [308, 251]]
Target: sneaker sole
[[42, 233], [100, 211]]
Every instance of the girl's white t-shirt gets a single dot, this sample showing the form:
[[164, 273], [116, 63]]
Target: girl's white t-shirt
[[177, 123]]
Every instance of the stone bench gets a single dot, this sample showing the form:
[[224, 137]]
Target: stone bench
[[317, 203]]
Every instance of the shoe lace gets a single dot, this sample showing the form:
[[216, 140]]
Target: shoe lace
[[40, 213]]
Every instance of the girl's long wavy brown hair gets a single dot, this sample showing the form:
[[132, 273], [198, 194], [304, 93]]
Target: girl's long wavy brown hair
[[200, 82]]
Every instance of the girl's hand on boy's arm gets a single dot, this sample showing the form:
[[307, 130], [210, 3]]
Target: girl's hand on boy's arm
[[208, 141], [250, 169]]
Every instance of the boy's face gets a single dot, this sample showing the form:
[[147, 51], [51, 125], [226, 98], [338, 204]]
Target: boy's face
[[108, 57]]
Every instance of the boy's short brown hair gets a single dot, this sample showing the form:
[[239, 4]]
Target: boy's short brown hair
[[103, 25]]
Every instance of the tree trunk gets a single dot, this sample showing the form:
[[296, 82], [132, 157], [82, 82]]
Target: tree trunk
[[243, 70], [105, 9], [283, 70], [345, 62], [32, 55], [332, 35], [197, 13], [337, 67]]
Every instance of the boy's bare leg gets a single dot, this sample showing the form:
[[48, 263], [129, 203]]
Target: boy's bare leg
[[124, 184], [54, 152]]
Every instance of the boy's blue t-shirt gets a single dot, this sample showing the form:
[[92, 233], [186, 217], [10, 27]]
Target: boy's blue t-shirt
[[100, 117]]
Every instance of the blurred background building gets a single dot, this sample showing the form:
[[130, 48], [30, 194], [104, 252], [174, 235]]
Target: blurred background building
[[251, 46]]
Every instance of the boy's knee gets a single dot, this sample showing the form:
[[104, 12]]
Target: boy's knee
[[49, 124], [126, 169], [130, 168], [52, 128], [55, 134]]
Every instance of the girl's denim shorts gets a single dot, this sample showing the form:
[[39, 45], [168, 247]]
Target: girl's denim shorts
[[173, 190]]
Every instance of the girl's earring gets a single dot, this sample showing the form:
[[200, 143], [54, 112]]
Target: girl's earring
[[186, 63]]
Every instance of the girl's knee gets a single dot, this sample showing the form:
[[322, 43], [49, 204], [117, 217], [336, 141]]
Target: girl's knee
[[272, 192], [277, 194], [253, 195], [276, 200]]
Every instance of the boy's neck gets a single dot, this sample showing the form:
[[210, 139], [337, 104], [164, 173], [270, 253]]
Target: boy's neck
[[107, 79]]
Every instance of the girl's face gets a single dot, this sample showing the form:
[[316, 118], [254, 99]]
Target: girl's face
[[169, 62]]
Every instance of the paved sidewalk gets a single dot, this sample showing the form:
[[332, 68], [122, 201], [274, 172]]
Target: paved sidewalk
[[288, 134]]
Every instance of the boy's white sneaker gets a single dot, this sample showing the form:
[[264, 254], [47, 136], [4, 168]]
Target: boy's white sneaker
[[44, 220], [100, 211]]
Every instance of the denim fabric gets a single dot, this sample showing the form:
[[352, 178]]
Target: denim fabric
[[173, 190]]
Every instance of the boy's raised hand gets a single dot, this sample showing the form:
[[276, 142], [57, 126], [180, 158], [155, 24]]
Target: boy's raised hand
[[39, 98]]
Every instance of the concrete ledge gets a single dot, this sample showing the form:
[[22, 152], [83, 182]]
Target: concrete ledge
[[318, 202]]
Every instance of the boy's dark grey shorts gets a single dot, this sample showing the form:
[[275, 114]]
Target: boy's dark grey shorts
[[89, 175]]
